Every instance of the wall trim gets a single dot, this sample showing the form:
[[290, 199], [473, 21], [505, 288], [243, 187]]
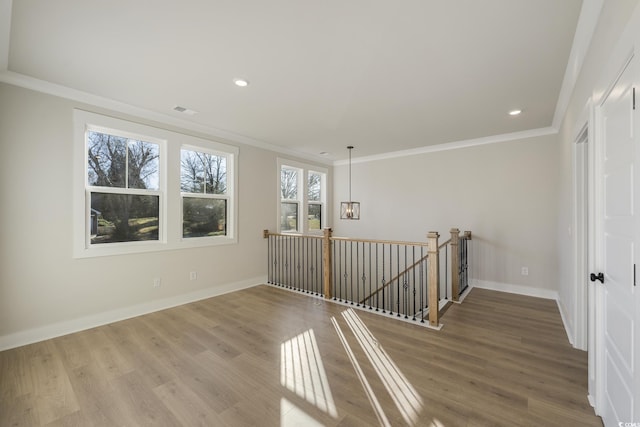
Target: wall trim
[[80, 324], [592, 401], [529, 291], [567, 325], [506, 137], [587, 21]]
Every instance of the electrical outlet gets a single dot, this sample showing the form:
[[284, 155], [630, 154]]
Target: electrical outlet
[[525, 271], [193, 275], [157, 282]]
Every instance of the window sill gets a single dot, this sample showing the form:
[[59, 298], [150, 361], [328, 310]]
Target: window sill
[[115, 249]]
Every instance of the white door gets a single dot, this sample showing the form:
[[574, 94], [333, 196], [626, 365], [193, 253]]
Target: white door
[[617, 359]]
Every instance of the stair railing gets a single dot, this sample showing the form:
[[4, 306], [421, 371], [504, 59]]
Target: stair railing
[[454, 266], [394, 278]]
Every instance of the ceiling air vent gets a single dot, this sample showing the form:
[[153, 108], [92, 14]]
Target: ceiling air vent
[[184, 110]]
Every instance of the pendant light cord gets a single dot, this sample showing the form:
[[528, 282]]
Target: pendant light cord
[[350, 148]]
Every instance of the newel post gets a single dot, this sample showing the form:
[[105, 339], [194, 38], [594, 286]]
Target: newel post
[[433, 279], [455, 264], [326, 262]]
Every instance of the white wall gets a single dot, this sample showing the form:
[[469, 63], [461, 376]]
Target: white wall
[[43, 290], [505, 193], [591, 84]]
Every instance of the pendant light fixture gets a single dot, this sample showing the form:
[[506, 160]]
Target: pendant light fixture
[[350, 209]]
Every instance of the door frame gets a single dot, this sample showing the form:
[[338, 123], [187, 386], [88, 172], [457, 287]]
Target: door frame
[[582, 226]]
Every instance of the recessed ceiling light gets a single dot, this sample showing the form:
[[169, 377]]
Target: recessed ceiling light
[[324, 153], [515, 112], [241, 82]]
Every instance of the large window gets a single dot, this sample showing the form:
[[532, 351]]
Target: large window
[[315, 199], [129, 199], [123, 187], [302, 195], [290, 202], [203, 183]]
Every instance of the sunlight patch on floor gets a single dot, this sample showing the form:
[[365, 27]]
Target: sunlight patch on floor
[[404, 395], [292, 416], [382, 418], [302, 372]]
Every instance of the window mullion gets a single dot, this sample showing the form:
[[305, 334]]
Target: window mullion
[[126, 165], [305, 196], [205, 196], [118, 190], [204, 177]]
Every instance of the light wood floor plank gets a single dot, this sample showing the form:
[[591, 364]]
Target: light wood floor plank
[[52, 392], [186, 405], [97, 397], [267, 357], [141, 404]]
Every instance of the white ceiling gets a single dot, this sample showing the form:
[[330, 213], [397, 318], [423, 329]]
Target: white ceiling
[[380, 75]]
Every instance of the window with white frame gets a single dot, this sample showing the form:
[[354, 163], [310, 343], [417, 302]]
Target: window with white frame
[[302, 191], [123, 186], [315, 204], [290, 198], [203, 185], [128, 198]]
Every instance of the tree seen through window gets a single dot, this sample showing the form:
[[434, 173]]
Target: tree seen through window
[[122, 169], [203, 182]]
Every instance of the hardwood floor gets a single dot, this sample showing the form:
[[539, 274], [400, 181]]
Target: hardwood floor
[[268, 357]]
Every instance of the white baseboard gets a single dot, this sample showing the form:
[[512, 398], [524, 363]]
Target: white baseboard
[[75, 325], [567, 326], [515, 289]]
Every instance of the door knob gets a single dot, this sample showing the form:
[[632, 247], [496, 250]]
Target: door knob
[[599, 276]]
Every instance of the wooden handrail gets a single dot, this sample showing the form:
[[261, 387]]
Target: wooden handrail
[[385, 242], [442, 245], [267, 233]]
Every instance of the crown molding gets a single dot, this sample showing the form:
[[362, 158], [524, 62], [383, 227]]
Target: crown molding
[[31, 83], [453, 145], [589, 15]]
